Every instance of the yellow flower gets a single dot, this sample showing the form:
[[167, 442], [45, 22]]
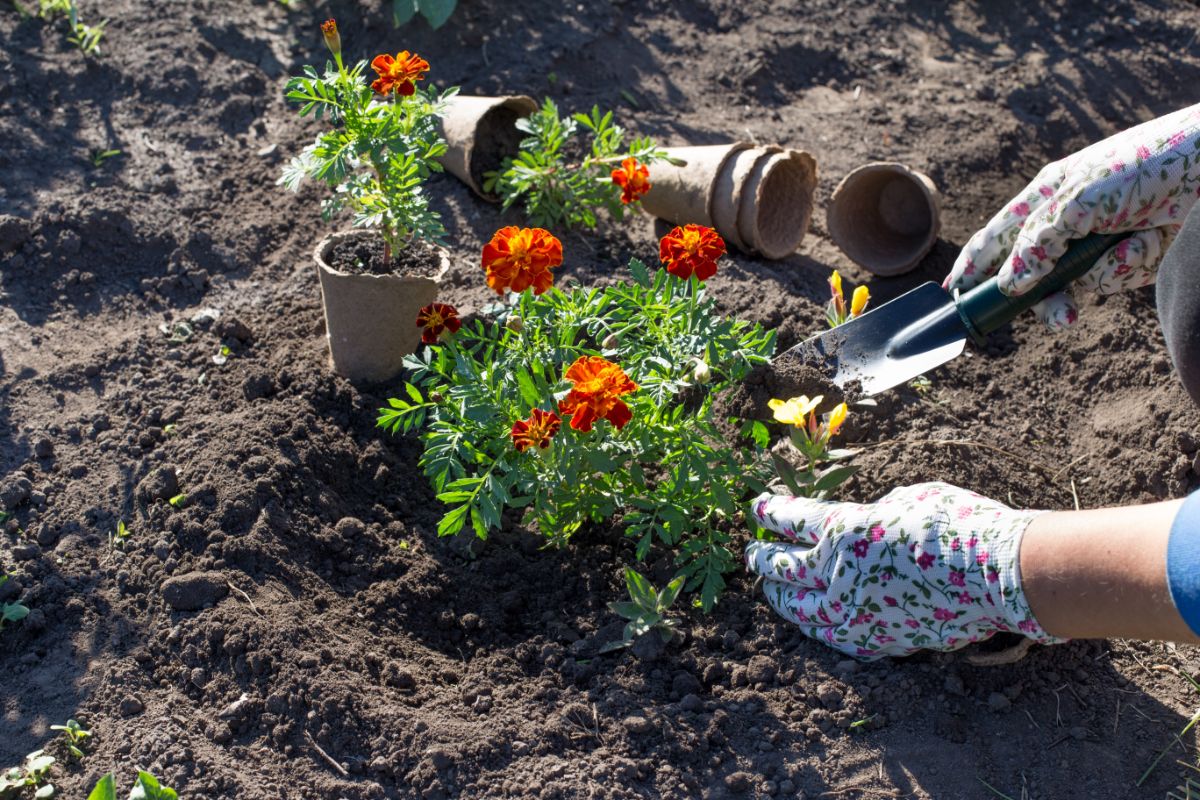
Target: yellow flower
[[794, 411], [835, 286], [836, 418], [858, 301]]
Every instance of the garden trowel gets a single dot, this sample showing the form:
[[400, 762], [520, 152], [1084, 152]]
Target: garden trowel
[[928, 326]]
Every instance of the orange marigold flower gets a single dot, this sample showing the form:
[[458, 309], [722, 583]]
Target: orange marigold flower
[[633, 178], [333, 39], [691, 250], [537, 431], [399, 74], [436, 319], [598, 386], [517, 258]]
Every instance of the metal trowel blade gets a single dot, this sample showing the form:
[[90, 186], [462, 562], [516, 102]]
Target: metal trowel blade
[[890, 344]]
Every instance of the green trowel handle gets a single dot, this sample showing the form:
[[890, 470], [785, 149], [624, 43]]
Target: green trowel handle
[[985, 308]]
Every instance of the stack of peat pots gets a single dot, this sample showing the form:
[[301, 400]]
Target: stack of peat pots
[[759, 198]]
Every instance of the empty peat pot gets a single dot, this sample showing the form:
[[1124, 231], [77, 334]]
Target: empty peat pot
[[760, 199], [481, 132], [885, 217], [371, 320]]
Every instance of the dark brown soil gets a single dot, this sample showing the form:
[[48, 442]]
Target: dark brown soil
[[302, 572], [366, 255]]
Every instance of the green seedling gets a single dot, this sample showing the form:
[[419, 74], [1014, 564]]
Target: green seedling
[[170, 430], [178, 500], [222, 355], [120, 536], [11, 612], [5, 516], [75, 736], [146, 787], [435, 12], [100, 155], [32, 775], [646, 610], [85, 37]]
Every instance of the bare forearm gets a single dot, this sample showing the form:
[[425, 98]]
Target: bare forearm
[[1102, 573]]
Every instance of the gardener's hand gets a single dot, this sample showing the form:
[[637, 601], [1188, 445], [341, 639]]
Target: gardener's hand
[[1144, 179], [927, 566]]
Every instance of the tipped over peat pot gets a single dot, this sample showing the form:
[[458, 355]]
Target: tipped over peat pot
[[370, 317], [760, 199], [885, 216], [481, 132]]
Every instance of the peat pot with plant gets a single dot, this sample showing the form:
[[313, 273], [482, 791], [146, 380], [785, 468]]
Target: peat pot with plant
[[381, 144]]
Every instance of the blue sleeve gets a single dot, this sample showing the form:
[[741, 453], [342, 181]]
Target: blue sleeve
[[1183, 562]]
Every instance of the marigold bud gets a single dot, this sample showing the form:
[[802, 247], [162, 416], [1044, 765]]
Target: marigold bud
[[858, 301], [610, 342], [515, 324], [702, 373], [437, 397], [333, 40]]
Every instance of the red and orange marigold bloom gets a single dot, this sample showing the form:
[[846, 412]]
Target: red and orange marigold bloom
[[517, 258], [436, 319], [633, 178], [596, 394], [399, 74], [537, 431], [691, 250]]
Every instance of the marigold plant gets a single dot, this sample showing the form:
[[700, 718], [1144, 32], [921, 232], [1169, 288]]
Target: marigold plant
[[383, 144], [587, 405], [810, 436], [562, 182], [836, 312]]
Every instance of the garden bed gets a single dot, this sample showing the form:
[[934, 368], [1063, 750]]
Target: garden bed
[[379, 661]]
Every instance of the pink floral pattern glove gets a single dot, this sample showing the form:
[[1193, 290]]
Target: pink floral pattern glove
[[1144, 179], [929, 566]]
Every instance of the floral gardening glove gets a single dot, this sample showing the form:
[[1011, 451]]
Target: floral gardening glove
[[929, 566], [1144, 179]]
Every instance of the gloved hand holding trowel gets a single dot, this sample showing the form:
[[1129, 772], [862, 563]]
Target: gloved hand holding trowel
[[937, 567]]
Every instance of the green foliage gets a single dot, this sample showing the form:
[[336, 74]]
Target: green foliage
[[562, 183], [100, 155], [646, 610], [435, 12], [75, 735], [146, 787], [83, 36], [11, 612], [178, 500], [667, 475], [120, 536], [377, 153], [33, 774]]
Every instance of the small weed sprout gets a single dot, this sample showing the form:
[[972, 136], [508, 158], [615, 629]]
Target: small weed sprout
[[435, 12], [178, 500], [85, 37], [100, 155], [120, 536], [75, 735], [646, 610], [34, 774], [146, 787], [11, 612]]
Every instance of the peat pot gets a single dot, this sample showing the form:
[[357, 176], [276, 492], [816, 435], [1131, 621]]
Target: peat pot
[[480, 133], [885, 217], [370, 319]]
